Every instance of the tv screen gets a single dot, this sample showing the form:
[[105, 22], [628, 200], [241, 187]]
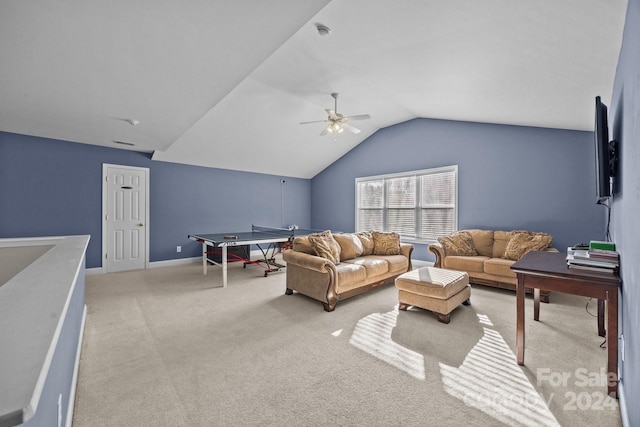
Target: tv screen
[[603, 167]]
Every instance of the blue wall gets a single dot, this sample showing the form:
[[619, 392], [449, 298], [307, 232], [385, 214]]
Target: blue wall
[[624, 116], [50, 187], [509, 177]]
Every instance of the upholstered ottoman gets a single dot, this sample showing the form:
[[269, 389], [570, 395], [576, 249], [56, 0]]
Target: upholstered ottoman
[[434, 289]]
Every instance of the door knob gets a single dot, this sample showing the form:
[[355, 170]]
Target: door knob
[[141, 224]]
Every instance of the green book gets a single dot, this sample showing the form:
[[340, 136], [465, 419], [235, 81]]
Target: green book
[[607, 246]]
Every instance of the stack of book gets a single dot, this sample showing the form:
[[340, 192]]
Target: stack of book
[[597, 257]]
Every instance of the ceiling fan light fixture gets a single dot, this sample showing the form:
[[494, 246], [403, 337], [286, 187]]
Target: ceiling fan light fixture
[[336, 122]]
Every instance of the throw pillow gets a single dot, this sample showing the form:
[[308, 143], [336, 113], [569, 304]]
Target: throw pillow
[[350, 245], [386, 243], [459, 243], [522, 242], [325, 246], [302, 244], [366, 238]]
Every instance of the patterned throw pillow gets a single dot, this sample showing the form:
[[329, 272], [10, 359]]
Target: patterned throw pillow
[[459, 243], [325, 246], [522, 242], [366, 238], [386, 243]]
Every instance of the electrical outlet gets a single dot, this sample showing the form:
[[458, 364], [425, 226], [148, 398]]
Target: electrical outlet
[[178, 248]]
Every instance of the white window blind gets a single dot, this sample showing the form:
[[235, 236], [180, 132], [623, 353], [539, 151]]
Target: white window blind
[[419, 205], [371, 202]]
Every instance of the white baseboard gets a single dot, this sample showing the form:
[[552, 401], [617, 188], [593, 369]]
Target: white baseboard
[[622, 401], [175, 262], [93, 271], [168, 263], [194, 260], [418, 263]]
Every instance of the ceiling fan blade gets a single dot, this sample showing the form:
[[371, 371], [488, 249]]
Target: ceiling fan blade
[[353, 129], [315, 121], [332, 114], [359, 117], [325, 130], [337, 122]]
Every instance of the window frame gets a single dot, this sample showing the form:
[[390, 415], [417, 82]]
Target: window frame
[[419, 206]]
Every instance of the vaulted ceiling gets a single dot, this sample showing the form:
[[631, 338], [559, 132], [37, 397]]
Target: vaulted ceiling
[[226, 83]]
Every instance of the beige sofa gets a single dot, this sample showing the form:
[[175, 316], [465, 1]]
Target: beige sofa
[[363, 264], [488, 256]]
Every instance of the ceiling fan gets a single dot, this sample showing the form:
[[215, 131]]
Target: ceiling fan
[[336, 122]]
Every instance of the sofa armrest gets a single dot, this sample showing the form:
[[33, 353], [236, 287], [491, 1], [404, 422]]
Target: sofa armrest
[[438, 251], [308, 261], [406, 249]]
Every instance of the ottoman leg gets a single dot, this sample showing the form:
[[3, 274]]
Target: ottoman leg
[[403, 306], [467, 301], [444, 318]]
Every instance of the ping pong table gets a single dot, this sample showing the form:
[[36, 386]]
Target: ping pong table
[[269, 240]]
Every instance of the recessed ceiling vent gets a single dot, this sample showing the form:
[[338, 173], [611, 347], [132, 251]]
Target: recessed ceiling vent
[[124, 143], [323, 30]]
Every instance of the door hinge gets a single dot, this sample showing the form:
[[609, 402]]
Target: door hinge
[[105, 256], [106, 217]]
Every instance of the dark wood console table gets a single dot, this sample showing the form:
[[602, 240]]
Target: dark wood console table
[[548, 270]]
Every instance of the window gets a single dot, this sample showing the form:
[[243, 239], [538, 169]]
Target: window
[[418, 205]]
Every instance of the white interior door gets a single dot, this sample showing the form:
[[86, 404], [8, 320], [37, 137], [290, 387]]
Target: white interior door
[[125, 229]]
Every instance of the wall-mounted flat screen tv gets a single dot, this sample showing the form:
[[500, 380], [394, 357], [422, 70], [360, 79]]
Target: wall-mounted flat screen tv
[[604, 170]]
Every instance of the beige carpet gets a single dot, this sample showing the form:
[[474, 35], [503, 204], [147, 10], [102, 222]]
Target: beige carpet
[[171, 347]]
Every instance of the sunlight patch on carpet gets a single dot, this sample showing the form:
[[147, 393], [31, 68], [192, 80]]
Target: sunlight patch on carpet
[[490, 380], [484, 319], [372, 335]]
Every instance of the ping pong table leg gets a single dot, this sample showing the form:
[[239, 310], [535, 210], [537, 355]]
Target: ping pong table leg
[[224, 266], [204, 258]]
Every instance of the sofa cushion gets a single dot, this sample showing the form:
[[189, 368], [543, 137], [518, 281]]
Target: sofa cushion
[[302, 244], [482, 241], [350, 245], [386, 243], [459, 243], [373, 265], [397, 263], [500, 240], [522, 242], [499, 267], [466, 263], [350, 273], [325, 246], [366, 238]]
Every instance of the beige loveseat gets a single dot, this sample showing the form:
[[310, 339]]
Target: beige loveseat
[[364, 261], [487, 255]]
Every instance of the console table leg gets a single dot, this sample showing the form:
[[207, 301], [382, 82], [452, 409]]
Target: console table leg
[[520, 319], [601, 330], [612, 342], [536, 304]]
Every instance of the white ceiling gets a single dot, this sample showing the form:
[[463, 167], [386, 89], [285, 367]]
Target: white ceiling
[[225, 83]]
